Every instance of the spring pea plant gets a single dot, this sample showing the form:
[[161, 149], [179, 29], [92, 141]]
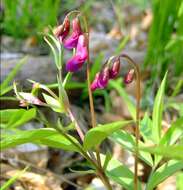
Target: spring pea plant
[[76, 39]]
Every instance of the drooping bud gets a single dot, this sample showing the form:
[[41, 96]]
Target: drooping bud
[[114, 70], [76, 62], [129, 76], [62, 31], [71, 42], [94, 84], [103, 77]]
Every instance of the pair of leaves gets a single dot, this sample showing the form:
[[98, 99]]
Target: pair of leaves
[[11, 118]]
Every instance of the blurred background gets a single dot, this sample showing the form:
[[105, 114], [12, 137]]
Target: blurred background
[[151, 32]]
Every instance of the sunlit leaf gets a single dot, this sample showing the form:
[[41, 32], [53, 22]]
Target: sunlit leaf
[[128, 141], [96, 135], [47, 136], [158, 111], [12, 118], [163, 172]]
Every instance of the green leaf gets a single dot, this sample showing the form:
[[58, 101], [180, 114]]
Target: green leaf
[[179, 179], [12, 118], [163, 172], [118, 87], [47, 136], [53, 103], [173, 152], [13, 179], [120, 173], [158, 111], [96, 135], [146, 128], [12, 74], [128, 141], [173, 133]]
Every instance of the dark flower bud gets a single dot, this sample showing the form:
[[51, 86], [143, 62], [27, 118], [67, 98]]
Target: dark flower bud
[[129, 76], [103, 77], [62, 31], [114, 70], [94, 84]]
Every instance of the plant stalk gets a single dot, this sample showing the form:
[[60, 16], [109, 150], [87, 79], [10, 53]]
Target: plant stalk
[[93, 118], [137, 133]]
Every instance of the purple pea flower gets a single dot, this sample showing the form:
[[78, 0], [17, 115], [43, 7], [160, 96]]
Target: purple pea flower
[[76, 62], [114, 70], [62, 30], [72, 40]]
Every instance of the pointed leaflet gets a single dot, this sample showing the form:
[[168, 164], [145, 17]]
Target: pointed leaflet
[[11, 118], [163, 172], [96, 135], [128, 141], [158, 111], [173, 152], [119, 173], [53, 103]]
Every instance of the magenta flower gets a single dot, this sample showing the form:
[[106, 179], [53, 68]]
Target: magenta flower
[[114, 70], [101, 79], [62, 31], [76, 62], [71, 42]]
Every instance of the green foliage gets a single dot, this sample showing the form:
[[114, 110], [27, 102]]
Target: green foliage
[[12, 180], [120, 173], [163, 172], [96, 135], [128, 142], [172, 152], [158, 111], [53, 103], [165, 38], [29, 17], [48, 136], [165, 146], [5, 85], [12, 118]]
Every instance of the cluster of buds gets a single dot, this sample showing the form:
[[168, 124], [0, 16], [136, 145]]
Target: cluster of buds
[[108, 72], [76, 40]]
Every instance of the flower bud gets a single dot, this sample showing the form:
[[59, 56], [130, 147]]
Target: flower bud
[[114, 70], [103, 77], [62, 31], [94, 84], [129, 76]]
